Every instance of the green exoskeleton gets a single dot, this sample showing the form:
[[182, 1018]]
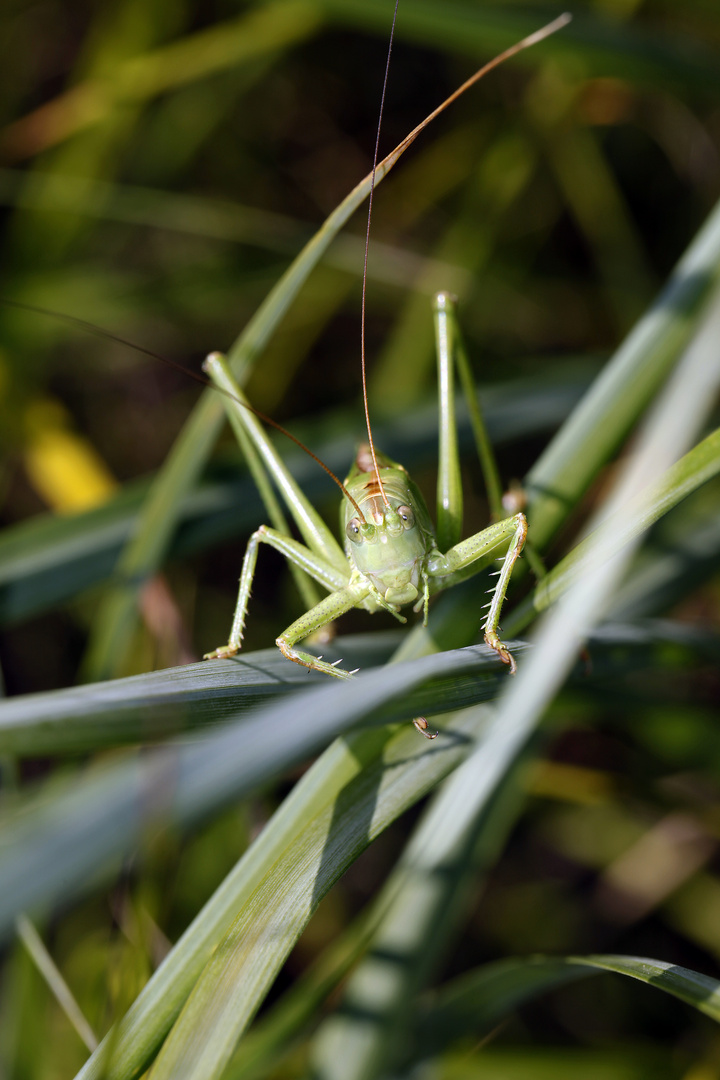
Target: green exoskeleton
[[392, 555]]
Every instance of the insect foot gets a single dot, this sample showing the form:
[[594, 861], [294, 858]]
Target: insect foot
[[501, 649], [314, 663], [422, 726], [223, 652]]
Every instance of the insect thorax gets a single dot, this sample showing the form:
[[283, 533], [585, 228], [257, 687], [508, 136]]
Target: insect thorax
[[388, 544]]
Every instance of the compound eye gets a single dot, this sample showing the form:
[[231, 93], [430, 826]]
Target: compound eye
[[407, 516], [352, 530]]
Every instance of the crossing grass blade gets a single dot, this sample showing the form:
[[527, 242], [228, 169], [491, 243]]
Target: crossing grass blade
[[628, 383], [696, 468], [476, 1003], [88, 822], [458, 813], [352, 792], [143, 709]]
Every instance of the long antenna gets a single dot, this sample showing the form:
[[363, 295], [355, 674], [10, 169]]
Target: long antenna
[[365, 263], [526, 43], [382, 167], [99, 331]]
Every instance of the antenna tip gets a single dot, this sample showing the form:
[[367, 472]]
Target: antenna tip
[[542, 33]]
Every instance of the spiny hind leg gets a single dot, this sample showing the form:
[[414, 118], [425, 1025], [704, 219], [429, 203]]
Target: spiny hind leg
[[327, 610]]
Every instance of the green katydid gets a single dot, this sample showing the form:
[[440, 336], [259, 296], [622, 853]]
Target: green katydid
[[392, 557]]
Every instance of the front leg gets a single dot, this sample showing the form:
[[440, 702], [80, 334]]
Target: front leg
[[313, 564], [450, 567], [329, 609], [332, 607]]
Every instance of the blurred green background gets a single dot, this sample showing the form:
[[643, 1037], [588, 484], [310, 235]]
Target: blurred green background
[[160, 164]]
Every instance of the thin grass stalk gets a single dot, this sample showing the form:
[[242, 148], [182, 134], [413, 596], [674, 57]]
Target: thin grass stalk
[[622, 392]]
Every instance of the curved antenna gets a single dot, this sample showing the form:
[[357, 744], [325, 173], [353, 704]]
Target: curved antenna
[[526, 43], [99, 331], [371, 442]]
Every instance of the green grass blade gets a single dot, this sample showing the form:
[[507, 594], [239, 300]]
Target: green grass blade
[[681, 556], [477, 1002], [624, 389], [269, 1037], [148, 708], [354, 790], [55, 840], [694, 469], [242, 968], [53, 977], [464, 799], [273, 1035], [143, 709], [692, 987], [421, 904]]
